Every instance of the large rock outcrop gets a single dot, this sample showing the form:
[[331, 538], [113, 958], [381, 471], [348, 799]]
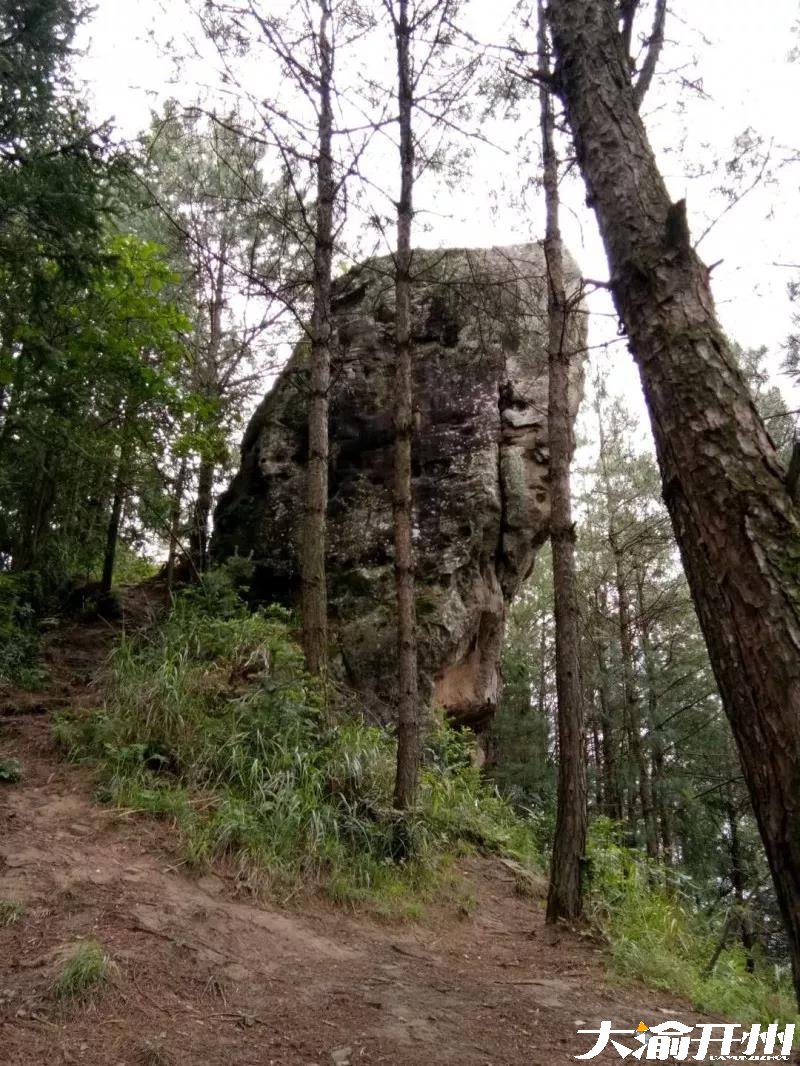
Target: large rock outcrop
[[480, 470]]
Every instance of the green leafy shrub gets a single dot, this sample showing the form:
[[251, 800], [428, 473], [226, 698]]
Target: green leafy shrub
[[131, 566], [212, 722], [656, 932]]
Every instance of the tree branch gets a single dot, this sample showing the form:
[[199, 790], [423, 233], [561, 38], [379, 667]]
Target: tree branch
[[654, 46]]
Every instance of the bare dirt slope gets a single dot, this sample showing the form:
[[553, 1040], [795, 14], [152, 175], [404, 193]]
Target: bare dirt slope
[[205, 976]]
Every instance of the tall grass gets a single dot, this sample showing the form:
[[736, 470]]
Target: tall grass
[[657, 933], [212, 722]]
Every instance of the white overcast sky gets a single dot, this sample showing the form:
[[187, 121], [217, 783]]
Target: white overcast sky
[[739, 53]]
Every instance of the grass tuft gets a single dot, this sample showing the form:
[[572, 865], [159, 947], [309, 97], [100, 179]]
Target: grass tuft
[[150, 1054], [84, 974], [10, 912], [10, 771]]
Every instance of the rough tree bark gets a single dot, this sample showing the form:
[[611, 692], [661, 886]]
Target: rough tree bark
[[405, 789], [564, 900], [314, 596], [723, 481]]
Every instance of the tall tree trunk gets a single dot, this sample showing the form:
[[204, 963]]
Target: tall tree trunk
[[11, 393], [564, 900], [591, 700], [612, 791], [112, 531], [661, 814], [175, 524], [738, 880], [541, 697], [631, 702], [6, 363], [723, 481], [36, 518], [201, 511], [314, 600], [408, 742]]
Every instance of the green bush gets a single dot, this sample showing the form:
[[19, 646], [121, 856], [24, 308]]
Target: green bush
[[211, 721], [656, 932], [131, 567]]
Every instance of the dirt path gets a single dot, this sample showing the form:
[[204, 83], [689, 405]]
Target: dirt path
[[205, 976]]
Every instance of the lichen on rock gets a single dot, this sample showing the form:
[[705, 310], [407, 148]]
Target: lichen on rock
[[480, 469]]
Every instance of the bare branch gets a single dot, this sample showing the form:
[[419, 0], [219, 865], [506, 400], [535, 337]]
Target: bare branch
[[654, 46]]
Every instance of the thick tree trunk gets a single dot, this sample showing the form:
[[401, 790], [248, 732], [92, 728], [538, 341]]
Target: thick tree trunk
[[564, 900], [408, 745], [723, 481], [314, 600]]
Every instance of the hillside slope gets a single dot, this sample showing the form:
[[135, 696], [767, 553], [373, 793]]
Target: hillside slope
[[203, 974]]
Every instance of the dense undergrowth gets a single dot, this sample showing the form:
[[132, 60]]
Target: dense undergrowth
[[19, 636], [658, 932], [33, 601], [210, 720]]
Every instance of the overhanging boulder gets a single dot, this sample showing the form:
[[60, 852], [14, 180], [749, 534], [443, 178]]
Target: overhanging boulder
[[480, 470]]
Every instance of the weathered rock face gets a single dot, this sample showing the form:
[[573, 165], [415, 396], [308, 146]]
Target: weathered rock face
[[480, 470]]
